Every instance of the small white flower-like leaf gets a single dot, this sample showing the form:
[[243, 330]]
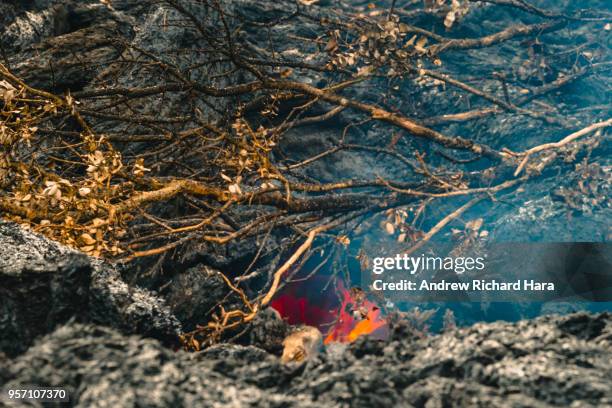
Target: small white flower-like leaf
[[84, 191]]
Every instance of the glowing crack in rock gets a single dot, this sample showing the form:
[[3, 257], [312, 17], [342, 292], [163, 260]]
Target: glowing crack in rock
[[354, 317]]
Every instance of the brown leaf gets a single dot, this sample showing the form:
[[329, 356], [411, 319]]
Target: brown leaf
[[332, 44], [474, 225], [420, 45], [87, 239]]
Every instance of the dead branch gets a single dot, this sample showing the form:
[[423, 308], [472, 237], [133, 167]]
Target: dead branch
[[443, 223]]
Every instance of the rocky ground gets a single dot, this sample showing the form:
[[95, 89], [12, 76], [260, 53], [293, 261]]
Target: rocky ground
[[73, 322]]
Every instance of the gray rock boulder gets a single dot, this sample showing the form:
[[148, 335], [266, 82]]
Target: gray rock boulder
[[44, 284], [130, 309], [195, 293]]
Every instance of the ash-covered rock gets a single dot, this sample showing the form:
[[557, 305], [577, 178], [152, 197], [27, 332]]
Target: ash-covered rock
[[267, 331], [101, 368], [63, 44], [195, 293], [530, 363], [132, 310], [547, 362], [548, 359], [43, 284]]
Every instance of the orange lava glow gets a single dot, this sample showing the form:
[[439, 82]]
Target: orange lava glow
[[357, 317], [345, 322]]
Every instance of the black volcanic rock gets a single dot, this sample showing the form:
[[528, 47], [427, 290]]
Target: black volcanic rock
[[100, 367], [130, 309], [43, 284], [61, 44], [267, 331], [194, 293], [545, 362]]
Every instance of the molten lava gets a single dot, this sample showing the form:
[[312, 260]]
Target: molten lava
[[298, 310], [358, 316], [354, 317]]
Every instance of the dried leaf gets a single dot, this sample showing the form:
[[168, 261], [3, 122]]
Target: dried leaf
[[420, 45], [450, 19], [84, 191], [411, 41], [7, 92], [332, 44], [456, 232], [234, 189], [366, 70], [474, 225], [344, 240], [87, 239]]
